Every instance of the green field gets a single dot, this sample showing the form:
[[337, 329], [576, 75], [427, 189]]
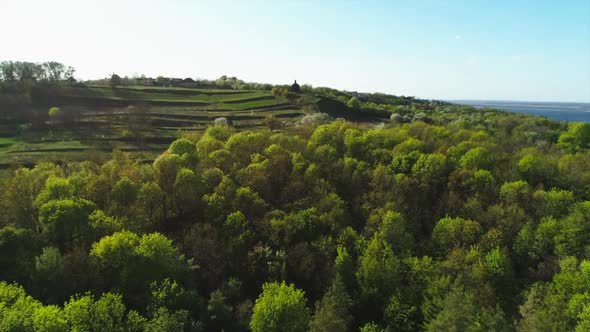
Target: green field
[[103, 118]]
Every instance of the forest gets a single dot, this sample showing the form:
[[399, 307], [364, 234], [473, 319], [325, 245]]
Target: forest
[[439, 217]]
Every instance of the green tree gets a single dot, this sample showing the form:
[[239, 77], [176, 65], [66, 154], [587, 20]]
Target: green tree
[[449, 233], [476, 158], [17, 246], [553, 203], [344, 267], [573, 235], [65, 222], [169, 294], [124, 192], [393, 231], [55, 188], [84, 313], [50, 318], [151, 198], [399, 316], [185, 149], [220, 312], [165, 320], [461, 312], [187, 190], [378, 276], [131, 263], [577, 137], [166, 169], [280, 307], [559, 305], [333, 311], [354, 104], [537, 168], [17, 309], [115, 80], [49, 273], [55, 115]]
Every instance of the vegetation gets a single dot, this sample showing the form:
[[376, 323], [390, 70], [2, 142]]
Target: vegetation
[[444, 218]]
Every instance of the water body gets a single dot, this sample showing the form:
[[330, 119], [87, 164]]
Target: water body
[[572, 112]]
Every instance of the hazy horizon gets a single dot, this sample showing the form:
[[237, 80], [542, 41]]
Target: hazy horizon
[[450, 50], [518, 101]]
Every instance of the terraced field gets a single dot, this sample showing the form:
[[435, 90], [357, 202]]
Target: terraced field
[[141, 120]]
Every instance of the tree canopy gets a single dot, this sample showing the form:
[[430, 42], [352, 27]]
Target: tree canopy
[[445, 218]]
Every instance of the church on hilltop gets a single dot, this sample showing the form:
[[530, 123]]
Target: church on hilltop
[[295, 87]]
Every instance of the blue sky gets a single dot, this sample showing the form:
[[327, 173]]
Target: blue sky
[[502, 50]]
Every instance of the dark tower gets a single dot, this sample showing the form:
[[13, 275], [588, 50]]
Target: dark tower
[[295, 87]]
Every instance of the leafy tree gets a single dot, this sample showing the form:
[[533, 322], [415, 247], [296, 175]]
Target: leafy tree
[[167, 167], [455, 232], [280, 307], [577, 137], [115, 80], [84, 313], [461, 312], [249, 202], [430, 169], [537, 168], [167, 321], [49, 269], [187, 189], [116, 249], [354, 104], [103, 224], [17, 309], [65, 222], [55, 188], [169, 294], [124, 192], [49, 318], [344, 267], [151, 198], [55, 114], [184, 148], [553, 203], [559, 305], [393, 231], [16, 246], [399, 316], [378, 276], [371, 327], [573, 237], [220, 312], [333, 311], [476, 158]]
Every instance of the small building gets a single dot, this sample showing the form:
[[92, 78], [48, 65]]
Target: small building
[[184, 83], [175, 82], [148, 81], [295, 87]]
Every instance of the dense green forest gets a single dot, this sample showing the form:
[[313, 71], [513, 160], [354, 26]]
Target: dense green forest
[[434, 217]]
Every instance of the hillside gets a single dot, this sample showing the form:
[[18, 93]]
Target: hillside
[[139, 209], [143, 120], [101, 118]]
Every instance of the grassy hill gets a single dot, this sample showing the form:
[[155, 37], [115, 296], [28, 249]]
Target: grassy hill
[[143, 120], [94, 119]]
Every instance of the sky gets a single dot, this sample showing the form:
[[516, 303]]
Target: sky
[[537, 50]]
